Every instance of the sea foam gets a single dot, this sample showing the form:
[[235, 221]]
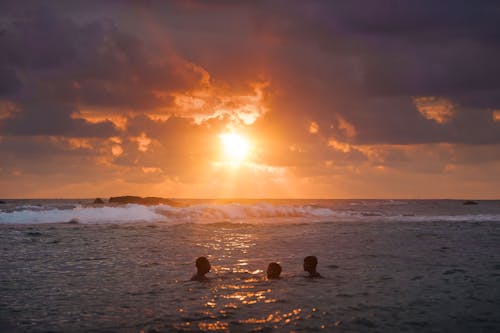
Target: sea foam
[[132, 213], [94, 215], [213, 213]]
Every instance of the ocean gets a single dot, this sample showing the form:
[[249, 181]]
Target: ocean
[[388, 266]]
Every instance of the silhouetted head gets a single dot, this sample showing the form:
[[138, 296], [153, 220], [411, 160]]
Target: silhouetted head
[[273, 271], [202, 266], [310, 264]]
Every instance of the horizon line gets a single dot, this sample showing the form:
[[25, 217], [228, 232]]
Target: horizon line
[[254, 198]]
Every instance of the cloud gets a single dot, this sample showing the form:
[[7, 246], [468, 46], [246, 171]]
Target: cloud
[[53, 119], [392, 53], [82, 66], [496, 115], [324, 90], [438, 109], [9, 82]]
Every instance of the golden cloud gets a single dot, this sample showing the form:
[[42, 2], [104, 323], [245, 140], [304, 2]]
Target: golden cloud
[[213, 101], [340, 146], [80, 143], [148, 170], [346, 127], [143, 142], [73, 143], [439, 109], [496, 115], [116, 150], [313, 127], [98, 115]]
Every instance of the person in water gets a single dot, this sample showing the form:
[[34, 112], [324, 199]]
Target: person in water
[[202, 268], [273, 271], [310, 263]]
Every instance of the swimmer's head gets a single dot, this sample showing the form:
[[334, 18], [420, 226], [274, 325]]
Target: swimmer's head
[[202, 265], [310, 264], [273, 271]]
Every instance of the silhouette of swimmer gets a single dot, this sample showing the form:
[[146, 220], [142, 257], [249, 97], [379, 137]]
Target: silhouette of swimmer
[[310, 263], [273, 271], [202, 268]]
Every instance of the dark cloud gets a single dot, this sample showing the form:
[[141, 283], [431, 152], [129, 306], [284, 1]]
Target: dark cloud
[[9, 82], [53, 119], [40, 39], [52, 66]]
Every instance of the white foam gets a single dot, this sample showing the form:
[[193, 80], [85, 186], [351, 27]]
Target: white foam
[[128, 213], [239, 211], [131, 213], [210, 213]]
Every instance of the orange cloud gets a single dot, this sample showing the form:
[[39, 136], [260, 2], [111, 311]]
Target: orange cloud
[[439, 109], [340, 146], [346, 127], [143, 142], [313, 127], [98, 115], [212, 101], [7, 109], [116, 150], [80, 143], [496, 115], [148, 170], [73, 143]]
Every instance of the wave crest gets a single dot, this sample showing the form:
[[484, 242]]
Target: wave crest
[[216, 213], [132, 213]]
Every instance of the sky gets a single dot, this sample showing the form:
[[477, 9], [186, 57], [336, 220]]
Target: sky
[[250, 99]]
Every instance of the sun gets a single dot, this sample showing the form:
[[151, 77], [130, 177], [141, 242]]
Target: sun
[[236, 147]]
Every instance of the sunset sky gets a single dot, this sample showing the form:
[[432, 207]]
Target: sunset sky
[[260, 99]]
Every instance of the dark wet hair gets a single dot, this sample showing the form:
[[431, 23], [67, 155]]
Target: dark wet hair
[[311, 261], [201, 261], [202, 267], [273, 270], [202, 264]]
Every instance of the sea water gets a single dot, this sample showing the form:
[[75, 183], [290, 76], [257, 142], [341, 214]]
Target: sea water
[[388, 265]]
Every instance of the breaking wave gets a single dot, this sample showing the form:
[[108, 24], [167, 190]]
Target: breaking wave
[[132, 213], [129, 213], [215, 213]]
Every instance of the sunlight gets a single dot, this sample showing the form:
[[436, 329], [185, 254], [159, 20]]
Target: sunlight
[[236, 147]]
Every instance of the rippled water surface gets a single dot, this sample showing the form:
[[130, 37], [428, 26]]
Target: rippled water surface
[[379, 276]]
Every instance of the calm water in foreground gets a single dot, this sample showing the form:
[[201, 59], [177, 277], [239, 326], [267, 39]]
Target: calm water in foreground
[[422, 266]]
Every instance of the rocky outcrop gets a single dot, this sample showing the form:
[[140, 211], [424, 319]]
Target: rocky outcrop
[[142, 200], [470, 202], [98, 201]]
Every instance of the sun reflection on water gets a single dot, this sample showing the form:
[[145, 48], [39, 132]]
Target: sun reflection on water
[[228, 242], [238, 297], [216, 326], [276, 317], [248, 297]]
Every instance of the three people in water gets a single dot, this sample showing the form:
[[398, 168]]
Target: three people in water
[[273, 269]]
